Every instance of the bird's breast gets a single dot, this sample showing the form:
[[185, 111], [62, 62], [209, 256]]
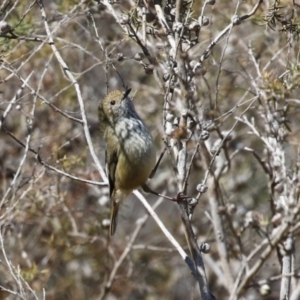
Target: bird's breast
[[131, 174]]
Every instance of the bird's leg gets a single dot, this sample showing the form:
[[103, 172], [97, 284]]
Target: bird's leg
[[157, 164], [191, 203], [147, 189], [181, 196], [178, 198]]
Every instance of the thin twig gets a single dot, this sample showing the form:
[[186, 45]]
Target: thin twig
[[235, 21], [78, 91], [112, 276]]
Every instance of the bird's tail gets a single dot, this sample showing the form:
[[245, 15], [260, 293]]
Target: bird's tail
[[116, 198], [114, 216]]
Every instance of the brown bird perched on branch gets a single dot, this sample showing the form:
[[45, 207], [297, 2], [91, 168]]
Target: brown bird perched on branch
[[130, 151]]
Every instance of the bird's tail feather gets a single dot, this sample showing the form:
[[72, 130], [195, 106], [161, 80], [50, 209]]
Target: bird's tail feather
[[114, 217]]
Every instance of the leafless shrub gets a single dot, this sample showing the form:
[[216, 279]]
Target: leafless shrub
[[218, 84]]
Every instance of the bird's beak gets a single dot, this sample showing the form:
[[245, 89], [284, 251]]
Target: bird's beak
[[126, 93]]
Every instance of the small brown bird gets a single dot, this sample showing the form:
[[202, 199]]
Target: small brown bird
[[130, 151]]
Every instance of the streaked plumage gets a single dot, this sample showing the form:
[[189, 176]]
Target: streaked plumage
[[130, 152]]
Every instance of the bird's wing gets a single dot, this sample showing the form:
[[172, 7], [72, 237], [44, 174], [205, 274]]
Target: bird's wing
[[111, 158]]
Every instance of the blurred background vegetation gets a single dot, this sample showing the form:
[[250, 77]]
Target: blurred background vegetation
[[54, 235]]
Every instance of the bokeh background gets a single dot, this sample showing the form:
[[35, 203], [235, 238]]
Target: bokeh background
[[54, 235]]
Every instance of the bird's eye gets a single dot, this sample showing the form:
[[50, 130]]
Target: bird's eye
[[113, 102]]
